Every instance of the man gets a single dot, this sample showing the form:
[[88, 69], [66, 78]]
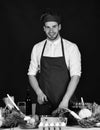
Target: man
[[59, 63]]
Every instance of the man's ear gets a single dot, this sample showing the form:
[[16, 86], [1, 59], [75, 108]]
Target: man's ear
[[44, 28], [59, 27]]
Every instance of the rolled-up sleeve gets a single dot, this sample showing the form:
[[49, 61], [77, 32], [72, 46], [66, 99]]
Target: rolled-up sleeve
[[33, 67], [75, 61]]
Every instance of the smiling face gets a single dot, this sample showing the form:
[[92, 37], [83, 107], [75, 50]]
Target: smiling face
[[52, 29]]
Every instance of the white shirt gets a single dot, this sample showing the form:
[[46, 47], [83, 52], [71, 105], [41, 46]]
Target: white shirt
[[54, 49]]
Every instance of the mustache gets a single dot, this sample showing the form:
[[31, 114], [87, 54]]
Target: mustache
[[52, 36]]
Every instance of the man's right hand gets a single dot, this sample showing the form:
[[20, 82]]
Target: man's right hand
[[41, 98]]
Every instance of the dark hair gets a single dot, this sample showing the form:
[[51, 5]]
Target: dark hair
[[50, 14]]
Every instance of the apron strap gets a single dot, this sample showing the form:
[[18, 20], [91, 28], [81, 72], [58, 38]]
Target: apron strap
[[62, 47], [62, 44], [42, 53], [43, 48]]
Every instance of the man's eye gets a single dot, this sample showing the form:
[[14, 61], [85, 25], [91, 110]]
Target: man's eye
[[46, 27], [54, 26]]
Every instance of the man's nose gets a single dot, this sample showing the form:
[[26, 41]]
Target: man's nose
[[51, 29]]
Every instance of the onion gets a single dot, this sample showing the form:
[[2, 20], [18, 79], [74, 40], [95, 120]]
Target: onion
[[85, 113]]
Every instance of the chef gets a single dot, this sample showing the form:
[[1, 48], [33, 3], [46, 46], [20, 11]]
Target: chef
[[58, 62]]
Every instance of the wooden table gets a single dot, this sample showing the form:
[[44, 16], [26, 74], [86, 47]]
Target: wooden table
[[64, 128]]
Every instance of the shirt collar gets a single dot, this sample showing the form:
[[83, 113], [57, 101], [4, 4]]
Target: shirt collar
[[54, 42]]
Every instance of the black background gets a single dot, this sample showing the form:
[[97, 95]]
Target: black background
[[20, 29]]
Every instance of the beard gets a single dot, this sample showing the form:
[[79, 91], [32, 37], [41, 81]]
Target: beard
[[52, 37]]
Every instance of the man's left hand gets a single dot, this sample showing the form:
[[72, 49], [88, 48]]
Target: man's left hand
[[63, 104], [56, 112]]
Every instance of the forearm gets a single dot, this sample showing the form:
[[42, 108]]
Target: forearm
[[71, 87], [34, 83], [70, 91]]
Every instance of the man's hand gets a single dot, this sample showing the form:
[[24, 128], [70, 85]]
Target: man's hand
[[41, 98], [63, 104], [59, 112], [56, 112]]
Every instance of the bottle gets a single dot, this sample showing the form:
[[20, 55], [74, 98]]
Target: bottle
[[28, 102]]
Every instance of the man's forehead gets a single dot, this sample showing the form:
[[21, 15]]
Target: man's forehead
[[51, 23]]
